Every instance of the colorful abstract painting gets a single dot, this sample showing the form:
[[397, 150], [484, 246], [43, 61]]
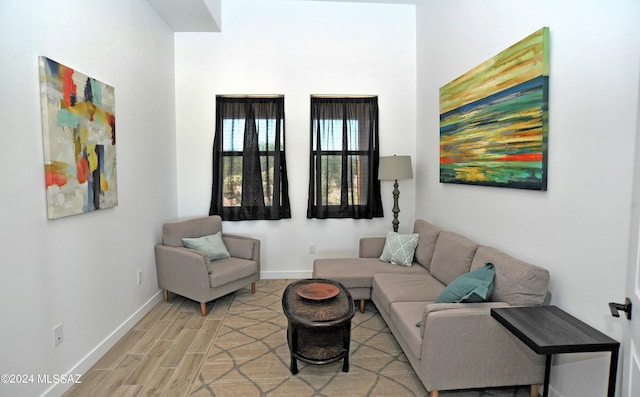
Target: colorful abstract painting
[[79, 131], [493, 119]]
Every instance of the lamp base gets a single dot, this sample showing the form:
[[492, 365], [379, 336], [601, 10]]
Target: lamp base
[[396, 209]]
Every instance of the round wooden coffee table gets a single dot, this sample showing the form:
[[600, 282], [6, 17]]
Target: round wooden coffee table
[[319, 312]]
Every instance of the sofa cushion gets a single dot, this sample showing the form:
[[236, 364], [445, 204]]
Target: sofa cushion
[[426, 243], [173, 233], [452, 256], [226, 270], [517, 283], [399, 248], [358, 272], [212, 245], [371, 247], [475, 286], [403, 315], [390, 288]]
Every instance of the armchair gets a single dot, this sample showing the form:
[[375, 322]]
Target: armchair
[[189, 272]]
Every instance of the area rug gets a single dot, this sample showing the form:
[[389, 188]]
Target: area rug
[[250, 357]]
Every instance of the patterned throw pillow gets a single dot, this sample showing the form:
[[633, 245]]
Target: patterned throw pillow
[[212, 245], [399, 248]]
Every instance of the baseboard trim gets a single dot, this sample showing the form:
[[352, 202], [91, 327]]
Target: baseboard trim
[[103, 347]]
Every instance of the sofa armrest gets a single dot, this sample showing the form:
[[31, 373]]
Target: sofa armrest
[[242, 247], [181, 270], [471, 342], [480, 307], [371, 247]]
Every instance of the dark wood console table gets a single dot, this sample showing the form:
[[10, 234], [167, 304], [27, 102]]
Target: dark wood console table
[[549, 330], [319, 331]]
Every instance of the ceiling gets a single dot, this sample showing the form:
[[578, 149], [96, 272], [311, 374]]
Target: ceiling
[[205, 15], [190, 15]]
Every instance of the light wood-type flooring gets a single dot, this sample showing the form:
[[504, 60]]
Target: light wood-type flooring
[[239, 349]]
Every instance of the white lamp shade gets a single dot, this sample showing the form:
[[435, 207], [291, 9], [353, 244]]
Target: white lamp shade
[[395, 167]]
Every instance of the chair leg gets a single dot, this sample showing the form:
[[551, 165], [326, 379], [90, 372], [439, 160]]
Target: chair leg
[[165, 295], [434, 393], [534, 390], [253, 287], [203, 308], [361, 305]]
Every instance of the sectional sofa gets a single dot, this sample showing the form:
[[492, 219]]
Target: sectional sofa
[[451, 346]]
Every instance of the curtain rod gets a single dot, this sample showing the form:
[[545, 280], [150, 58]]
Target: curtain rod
[[252, 96], [343, 96], [280, 96]]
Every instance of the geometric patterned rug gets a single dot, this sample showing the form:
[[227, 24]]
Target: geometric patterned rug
[[240, 349], [250, 356]]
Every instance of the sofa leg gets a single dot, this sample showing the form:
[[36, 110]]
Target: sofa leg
[[203, 308], [165, 295], [253, 287], [361, 305], [434, 393], [534, 390]]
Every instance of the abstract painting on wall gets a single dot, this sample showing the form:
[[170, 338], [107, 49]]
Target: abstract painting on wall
[[493, 119], [79, 133]]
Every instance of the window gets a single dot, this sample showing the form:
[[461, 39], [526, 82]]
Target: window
[[249, 167], [343, 178]]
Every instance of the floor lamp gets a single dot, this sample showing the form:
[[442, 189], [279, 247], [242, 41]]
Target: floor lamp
[[393, 168]]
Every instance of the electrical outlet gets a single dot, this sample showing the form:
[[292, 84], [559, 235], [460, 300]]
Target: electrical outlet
[[312, 248], [139, 275], [58, 337]]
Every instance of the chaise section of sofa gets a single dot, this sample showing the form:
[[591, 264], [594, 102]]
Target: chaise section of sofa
[[450, 345], [356, 274]]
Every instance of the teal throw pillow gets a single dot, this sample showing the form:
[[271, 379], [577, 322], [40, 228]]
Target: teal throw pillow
[[475, 286], [211, 245], [399, 248]]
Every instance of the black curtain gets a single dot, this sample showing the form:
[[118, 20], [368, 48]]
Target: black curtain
[[344, 157], [258, 155]]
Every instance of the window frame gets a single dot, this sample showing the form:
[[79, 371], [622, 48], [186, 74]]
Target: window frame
[[272, 202], [368, 203]]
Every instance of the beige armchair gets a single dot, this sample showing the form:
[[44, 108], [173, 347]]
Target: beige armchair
[[189, 272]]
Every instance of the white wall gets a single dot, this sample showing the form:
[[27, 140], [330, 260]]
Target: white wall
[[81, 270], [579, 228], [297, 48]]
